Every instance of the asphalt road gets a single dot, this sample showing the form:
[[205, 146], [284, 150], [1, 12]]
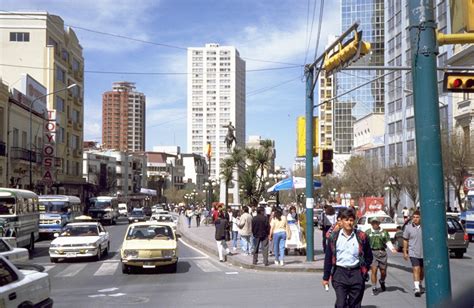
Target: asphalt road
[[202, 281]]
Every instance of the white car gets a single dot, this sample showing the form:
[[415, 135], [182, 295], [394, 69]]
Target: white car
[[80, 240], [386, 222], [165, 219], [12, 253], [23, 288]]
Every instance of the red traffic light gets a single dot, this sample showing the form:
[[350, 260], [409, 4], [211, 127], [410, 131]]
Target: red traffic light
[[457, 83]]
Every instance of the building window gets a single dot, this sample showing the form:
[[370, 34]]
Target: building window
[[60, 74], [19, 36], [59, 104]]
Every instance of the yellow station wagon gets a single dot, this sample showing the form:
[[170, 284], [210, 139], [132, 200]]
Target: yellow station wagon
[[149, 245]]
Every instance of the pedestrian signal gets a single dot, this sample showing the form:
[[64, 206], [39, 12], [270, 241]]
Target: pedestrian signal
[[458, 82]]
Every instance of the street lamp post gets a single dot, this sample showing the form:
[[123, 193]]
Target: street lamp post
[[31, 129]]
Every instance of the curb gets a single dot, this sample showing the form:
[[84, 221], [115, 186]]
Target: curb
[[234, 262]]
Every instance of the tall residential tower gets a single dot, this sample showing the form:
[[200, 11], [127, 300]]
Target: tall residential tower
[[123, 118], [216, 97]]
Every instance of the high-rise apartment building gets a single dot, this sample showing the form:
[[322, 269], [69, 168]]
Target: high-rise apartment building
[[38, 44], [216, 97], [399, 116], [367, 99], [123, 118]]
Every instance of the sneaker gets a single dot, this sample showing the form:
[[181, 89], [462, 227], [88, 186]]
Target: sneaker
[[234, 248], [417, 292], [382, 285], [374, 291], [282, 263], [221, 260], [276, 262], [422, 290]]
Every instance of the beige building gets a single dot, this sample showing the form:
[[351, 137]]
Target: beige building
[[3, 134], [37, 43]]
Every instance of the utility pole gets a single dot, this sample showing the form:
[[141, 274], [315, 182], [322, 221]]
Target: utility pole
[[309, 164], [428, 151]]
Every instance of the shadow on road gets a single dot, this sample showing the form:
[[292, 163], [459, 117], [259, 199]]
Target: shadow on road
[[394, 288], [183, 267]]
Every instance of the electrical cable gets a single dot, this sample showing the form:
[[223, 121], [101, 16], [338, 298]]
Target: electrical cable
[[310, 33], [321, 11]]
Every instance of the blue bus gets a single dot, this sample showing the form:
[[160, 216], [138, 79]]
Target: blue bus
[[56, 211], [467, 215]]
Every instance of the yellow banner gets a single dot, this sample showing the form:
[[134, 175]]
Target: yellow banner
[[301, 136]]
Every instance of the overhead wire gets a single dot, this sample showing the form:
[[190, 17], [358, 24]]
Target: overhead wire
[[318, 37], [310, 33]]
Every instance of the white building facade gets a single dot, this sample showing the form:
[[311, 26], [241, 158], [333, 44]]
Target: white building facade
[[215, 98]]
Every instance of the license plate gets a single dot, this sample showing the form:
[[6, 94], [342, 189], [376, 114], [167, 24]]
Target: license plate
[[70, 254], [148, 266]]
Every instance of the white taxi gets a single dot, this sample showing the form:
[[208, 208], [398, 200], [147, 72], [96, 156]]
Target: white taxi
[[149, 245], [165, 219], [386, 222], [12, 253], [80, 240]]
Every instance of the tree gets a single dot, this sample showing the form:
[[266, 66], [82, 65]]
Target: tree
[[409, 176], [363, 177], [456, 162], [395, 183], [174, 195], [227, 174]]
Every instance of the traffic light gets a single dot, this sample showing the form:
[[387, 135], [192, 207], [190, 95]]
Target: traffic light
[[326, 162], [458, 82], [351, 51]]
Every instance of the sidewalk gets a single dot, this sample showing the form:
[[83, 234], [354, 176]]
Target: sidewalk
[[203, 238]]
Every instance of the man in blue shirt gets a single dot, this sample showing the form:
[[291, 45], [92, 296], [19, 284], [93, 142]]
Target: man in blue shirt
[[348, 256]]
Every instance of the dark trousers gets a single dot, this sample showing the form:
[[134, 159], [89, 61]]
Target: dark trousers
[[349, 286], [264, 243], [325, 230], [198, 220]]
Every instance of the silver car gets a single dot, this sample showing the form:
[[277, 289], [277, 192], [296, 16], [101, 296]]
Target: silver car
[[458, 240]]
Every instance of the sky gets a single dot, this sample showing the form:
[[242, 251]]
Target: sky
[[272, 36]]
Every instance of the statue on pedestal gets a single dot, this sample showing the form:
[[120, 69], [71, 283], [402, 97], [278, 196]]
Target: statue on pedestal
[[230, 137]]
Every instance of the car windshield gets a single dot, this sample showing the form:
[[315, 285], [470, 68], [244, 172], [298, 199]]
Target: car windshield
[[149, 232], [383, 219], [80, 230], [469, 204], [453, 225], [101, 204], [137, 212], [163, 218], [53, 206]]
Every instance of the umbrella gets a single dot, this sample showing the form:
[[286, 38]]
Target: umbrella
[[292, 183]]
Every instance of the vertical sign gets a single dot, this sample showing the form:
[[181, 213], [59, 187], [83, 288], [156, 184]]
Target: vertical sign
[[49, 147]]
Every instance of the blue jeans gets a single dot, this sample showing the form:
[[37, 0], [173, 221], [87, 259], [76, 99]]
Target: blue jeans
[[279, 240], [246, 243], [235, 238]]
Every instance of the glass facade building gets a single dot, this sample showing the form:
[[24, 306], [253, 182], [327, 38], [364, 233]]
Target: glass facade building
[[367, 99]]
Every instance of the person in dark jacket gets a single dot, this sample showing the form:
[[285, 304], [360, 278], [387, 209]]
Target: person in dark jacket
[[347, 260], [222, 235], [260, 231]]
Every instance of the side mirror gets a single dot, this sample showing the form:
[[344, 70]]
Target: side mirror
[[56, 234], [102, 233]]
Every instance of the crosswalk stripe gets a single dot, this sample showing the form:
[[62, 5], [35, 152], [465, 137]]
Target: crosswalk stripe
[[71, 270], [206, 266], [106, 269]]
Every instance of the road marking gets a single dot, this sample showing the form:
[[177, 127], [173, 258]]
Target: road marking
[[107, 290], [42, 245], [97, 295], [231, 273], [111, 261], [72, 270], [48, 267], [193, 258], [206, 266], [106, 269], [193, 248], [117, 294]]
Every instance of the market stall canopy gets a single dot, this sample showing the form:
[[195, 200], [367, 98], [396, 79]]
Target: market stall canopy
[[292, 183]]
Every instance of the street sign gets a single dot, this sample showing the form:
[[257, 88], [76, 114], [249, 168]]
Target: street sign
[[469, 183]]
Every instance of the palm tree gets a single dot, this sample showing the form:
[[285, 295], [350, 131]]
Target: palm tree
[[227, 174]]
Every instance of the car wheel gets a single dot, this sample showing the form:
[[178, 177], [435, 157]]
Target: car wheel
[[125, 269], [470, 237], [99, 254], [53, 260], [106, 252], [458, 254], [174, 267]]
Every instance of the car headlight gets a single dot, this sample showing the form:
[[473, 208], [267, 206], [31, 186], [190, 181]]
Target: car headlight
[[55, 245], [128, 253], [168, 253], [95, 244]]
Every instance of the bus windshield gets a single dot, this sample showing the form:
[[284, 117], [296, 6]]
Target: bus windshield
[[469, 205], [101, 204], [53, 207], [7, 206]]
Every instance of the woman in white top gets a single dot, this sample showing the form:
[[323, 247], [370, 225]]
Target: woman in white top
[[278, 231], [235, 220]]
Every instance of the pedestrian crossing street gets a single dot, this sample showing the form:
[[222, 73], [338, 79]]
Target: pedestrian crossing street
[[112, 267]]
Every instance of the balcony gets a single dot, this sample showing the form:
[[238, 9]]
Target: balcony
[[24, 154], [3, 148]]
